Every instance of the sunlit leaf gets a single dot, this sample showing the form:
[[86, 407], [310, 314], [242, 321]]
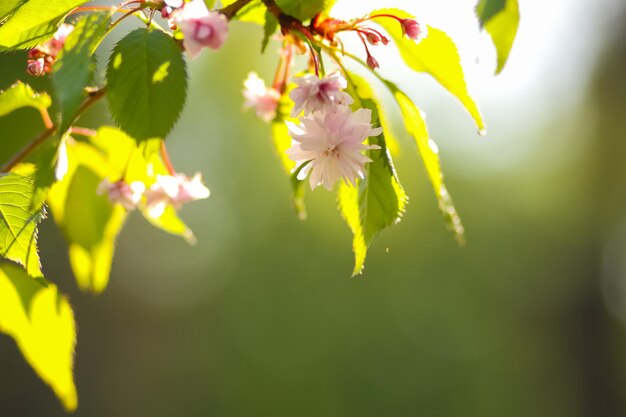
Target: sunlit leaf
[[18, 222], [26, 23], [436, 55], [74, 68], [416, 127], [22, 95], [500, 18], [41, 322], [253, 12], [380, 200], [147, 83]]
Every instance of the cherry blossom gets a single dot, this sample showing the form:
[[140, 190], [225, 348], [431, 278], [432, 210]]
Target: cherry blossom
[[201, 27], [121, 192], [330, 144], [175, 190], [313, 93], [258, 96]]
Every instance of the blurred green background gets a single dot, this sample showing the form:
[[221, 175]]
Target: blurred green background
[[262, 319]]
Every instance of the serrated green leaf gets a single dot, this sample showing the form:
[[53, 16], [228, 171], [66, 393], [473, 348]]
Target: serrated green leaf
[[269, 28], [380, 200], [486, 9], [41, 322], [18, 222], [147, 84], [436, 55], [75, 66], [31, 22], [416, 127], [22, 95], [501, 24]]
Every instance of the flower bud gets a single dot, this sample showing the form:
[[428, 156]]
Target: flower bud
[[372, 63], [373, 38], [36, 67]]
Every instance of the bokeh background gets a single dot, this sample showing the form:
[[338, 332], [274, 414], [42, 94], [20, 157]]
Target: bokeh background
[[261, 318]]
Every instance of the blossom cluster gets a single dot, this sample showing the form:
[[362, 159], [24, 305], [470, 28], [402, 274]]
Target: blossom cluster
[[42, 57], [174, 190]]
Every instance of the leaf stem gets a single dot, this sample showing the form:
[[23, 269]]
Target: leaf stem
[[45, 116], [166, 160]]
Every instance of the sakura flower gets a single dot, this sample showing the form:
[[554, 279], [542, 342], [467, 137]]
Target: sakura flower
[[331, 144], [201, 27], [175, 190], [413, 29], [121, 192], [263, 99], [314, 94]]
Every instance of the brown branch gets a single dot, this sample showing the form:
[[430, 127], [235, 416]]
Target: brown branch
[[28, 149], [94, 96], [231, 10]]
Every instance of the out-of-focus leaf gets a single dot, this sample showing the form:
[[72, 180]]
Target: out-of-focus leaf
[[41, 322], [22, 95], [91, 239], [486, 9], [500, 18], [416, 126], [253, 12], [436, 55], [26, 23], [304, 9], [147, 83], [18, 222], [380, 200], [74, 68], [270, 26]]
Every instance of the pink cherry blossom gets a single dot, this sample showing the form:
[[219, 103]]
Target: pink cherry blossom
[[313, 93], [54, 45], [121, 192], [175, 190], [331, 144], [263, 99], [201, 27]]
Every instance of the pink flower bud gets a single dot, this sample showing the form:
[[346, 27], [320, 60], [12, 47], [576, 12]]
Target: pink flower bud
[[201, 28], [373, 38], [372, 63], [413, 29], [36, 67], [384, 39]]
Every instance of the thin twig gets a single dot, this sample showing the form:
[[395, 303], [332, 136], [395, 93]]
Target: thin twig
[[28, 149]]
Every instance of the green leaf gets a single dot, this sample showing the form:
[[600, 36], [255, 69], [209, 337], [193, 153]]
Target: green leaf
[[147, 83], [253, 12], [380, 200], [501, 23], [74, 68], [41, 322], [416, 126], [436, 55], [486, 9], [18, 222], [27, 23], [269, 28], [304, 9], [22, 95]]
